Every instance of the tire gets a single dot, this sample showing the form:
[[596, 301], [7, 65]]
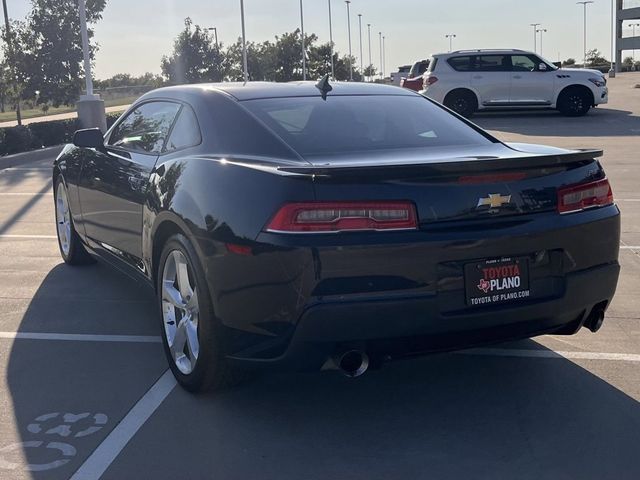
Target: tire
[[463, 102], [72, 250], [191, 334], [574, 102]]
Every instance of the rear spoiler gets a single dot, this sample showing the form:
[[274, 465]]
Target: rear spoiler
[[452, 166]]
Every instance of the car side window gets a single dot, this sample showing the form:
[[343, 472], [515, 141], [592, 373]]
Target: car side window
[[186, 131], [145, 129], [493, 63], [461, 64], [523, 63]]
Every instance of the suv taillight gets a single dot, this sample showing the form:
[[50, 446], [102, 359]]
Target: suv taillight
[[325, 217], [587, 195], [429, 80]]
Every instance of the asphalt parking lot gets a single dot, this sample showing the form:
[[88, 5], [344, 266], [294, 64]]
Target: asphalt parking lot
[[86, 392]]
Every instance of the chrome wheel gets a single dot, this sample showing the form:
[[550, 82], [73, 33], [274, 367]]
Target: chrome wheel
[[63, 219], [180, 311]]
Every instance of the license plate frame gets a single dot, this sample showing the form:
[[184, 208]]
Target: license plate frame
[[496, 281]]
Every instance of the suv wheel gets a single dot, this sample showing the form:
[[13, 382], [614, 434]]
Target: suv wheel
[[574, 102], [463, 102]]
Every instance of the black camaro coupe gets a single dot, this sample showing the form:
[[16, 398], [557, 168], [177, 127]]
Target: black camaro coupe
[[311, 226]]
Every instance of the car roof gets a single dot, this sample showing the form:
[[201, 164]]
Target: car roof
[[488, 51], [256, 90]]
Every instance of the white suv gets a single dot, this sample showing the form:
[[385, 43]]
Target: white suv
[[470, 80]]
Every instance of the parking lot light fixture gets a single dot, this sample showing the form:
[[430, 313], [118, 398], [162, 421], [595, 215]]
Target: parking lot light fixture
[[361, 56], [215, 35], [348, 2], [633, 52], [535, 36], [584, 5], [333, 73], [304, 54], [541, 31], [450, 36], [244, 44], [380, 47], [370, 61]]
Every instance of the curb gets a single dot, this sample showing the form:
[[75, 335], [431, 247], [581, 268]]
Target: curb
[[18, 159]]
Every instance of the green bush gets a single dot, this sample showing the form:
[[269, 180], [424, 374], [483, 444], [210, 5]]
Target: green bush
[[41, 134]]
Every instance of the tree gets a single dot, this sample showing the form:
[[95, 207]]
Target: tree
[[49, 56], [594, 57], [370, 71], [195, 58], [569, 62]]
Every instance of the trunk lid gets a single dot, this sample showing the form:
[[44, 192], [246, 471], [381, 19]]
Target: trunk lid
[[449, 185]]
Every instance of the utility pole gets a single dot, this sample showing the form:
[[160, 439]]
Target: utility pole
[[612, 70], [333, 73], [304, 60], [584, 5], [370, 64], [244, 44], [450, 36], [361, 56], [348, 2], [535, 45], [11, 59]]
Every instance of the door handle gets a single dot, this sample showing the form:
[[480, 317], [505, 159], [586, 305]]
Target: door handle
[[517, 76], [477, 77]]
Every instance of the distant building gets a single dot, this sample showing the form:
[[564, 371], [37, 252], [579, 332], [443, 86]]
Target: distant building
[[627, 10]]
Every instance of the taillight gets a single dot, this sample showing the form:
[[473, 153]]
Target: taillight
[[586, 195], [319, 217], [429, 80]]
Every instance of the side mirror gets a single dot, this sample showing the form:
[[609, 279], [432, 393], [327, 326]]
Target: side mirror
[[89, 138], [542, 67]]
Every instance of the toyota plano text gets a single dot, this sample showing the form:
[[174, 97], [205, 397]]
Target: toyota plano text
[[302, 226]]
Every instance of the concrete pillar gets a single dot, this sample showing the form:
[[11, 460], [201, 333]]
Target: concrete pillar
[[91, 112]]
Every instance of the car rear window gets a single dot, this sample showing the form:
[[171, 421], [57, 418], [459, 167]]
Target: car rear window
[[311, 125]]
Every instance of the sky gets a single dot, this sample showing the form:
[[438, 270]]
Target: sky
[[134, 34]]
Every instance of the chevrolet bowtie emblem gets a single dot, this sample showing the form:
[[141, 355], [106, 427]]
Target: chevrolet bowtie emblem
[[494, 200]]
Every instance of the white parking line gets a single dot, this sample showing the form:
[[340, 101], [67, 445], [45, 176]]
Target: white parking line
[[629, 247], [507, 352], [23, 194], [103, 456], [79, 337], [26, 169], [28, 236]]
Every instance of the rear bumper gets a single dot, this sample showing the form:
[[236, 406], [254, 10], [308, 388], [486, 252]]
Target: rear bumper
[[403, 326]]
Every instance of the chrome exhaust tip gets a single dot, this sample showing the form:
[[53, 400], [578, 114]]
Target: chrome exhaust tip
[[352, 363]]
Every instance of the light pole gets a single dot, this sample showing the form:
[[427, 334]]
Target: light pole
[[535, 27], [633, 52], [215, 35], [370, 62], [91, 112], [244, 44], [11, 60], [304, 60], [361, 56], [450, 36], [381, 63], [584, 5], [333, 73], [541, 31], [348, 2], [612, 70], [384, 54]]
